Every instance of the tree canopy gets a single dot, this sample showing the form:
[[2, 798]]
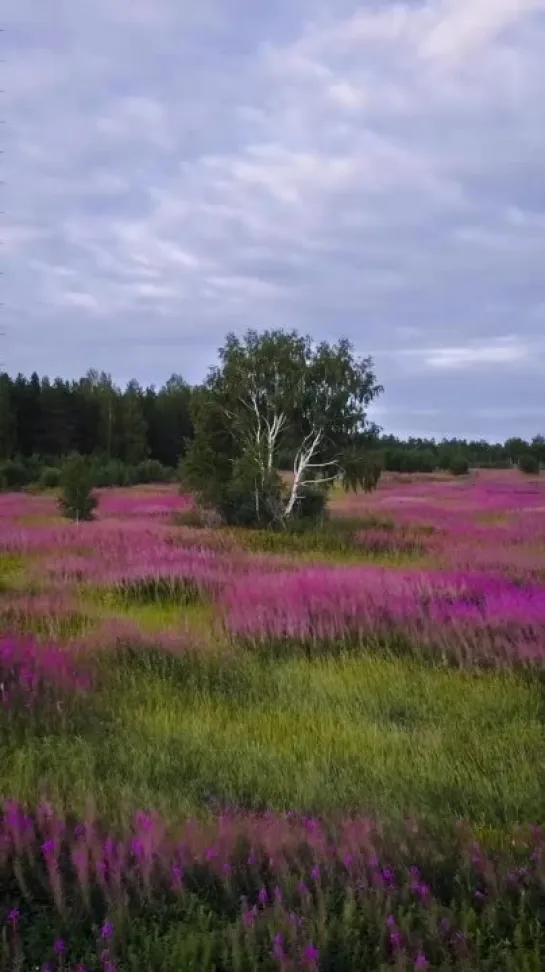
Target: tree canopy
[[274, 395]]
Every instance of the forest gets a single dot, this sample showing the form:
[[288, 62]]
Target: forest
[[139, 434]]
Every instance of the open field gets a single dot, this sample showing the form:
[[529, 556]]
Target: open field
[[231, 750]]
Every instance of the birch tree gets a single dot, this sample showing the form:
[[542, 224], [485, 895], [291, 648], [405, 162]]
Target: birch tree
[[279, 393]]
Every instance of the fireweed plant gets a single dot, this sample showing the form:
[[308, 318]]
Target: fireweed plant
[[346, 757]]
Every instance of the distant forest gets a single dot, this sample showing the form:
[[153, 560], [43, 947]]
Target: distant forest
[[139, 434]]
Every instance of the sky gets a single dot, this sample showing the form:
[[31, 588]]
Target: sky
[[174, 170]]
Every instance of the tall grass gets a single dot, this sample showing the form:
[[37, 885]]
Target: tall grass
[[231, 761]]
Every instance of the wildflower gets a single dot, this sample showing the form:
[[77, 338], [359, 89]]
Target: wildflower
[[14, 915], [249, 916], [59, 946], [278, 894], [396, 939], [107, 930], [421, 963], [315, 873], [263, 896], [177, 873], [278, 947], [311, 954], [137, 847]]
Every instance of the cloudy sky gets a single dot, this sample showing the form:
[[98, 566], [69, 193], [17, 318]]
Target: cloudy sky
[[177, 169]]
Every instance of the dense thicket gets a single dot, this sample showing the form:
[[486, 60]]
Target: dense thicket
[[139, 434]]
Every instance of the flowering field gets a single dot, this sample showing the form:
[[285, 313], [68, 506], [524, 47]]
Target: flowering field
[[225, 750]]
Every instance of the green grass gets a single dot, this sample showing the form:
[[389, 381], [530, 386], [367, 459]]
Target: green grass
[[153, 617], [384, 736], [334, 542], [12, 570]]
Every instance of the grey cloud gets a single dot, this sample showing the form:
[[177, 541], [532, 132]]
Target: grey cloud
[[177, 170]]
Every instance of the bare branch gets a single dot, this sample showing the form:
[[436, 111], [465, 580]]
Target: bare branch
[[312, 482]]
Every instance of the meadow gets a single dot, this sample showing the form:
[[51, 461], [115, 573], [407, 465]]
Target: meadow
[[236, 750]]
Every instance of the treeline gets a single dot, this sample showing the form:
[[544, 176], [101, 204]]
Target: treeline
[[132, 435], [137, 434], [428, 455]]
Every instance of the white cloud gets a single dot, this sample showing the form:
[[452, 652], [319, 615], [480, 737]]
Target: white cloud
[[174, 170], [476, 356], [461, 27]]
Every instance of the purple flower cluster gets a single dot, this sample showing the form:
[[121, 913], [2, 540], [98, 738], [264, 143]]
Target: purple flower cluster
[[29, 669], [293, 870], [479, 618]]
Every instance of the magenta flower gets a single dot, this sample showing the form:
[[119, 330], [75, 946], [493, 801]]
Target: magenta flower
[[396, 939], [249, 917], [107, 930], [59, 946], [278, 948], [311, 954], [421, 963]]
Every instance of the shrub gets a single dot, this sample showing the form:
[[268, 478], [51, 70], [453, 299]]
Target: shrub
[[459, 466], [311, 506], [152, 471], [77, 501], [529, 464], [13, 474], [49, 478]]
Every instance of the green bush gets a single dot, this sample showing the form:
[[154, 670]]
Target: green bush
[[311, 506], [111, 472], [13, 474], [50, 477], [77, 501], [152, 471], [459, 466], [529, 464]]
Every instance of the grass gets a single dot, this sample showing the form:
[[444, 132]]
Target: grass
[[12, 569], [195, 728], [380, 735]]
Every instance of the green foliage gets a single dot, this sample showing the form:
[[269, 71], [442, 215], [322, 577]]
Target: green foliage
[[153, 471], [77, 501], [50, 477], [459, 466], [13, 474], [361, 470], [274, 395], [310, 508], [528, 464]]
